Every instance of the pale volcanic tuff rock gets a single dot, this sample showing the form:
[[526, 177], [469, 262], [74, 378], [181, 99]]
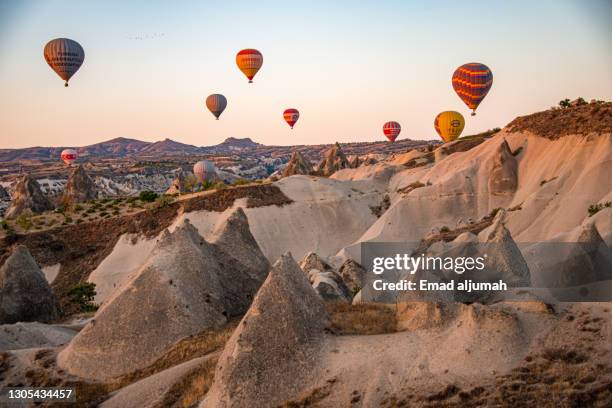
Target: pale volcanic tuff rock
[[312, 261], [80, 187], [353, 274], [28, 195], [325, 281], [25, 294], [274, 350], [298, 164], [582, 258], [178, 184], [504, 175], [4, 195], [333, 160], [187, 285]]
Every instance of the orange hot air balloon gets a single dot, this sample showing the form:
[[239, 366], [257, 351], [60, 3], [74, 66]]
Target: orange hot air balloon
[[392, 130], [291, 116], [249, 61]]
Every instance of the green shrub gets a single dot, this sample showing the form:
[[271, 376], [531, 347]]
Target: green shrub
[[78, 208], [240, 182], [163, 201], [148, 196], [82, 294], [4, 225], [68, 220], [595, 208], [444, 229], [24, 222], [131, 200], [60, 209]]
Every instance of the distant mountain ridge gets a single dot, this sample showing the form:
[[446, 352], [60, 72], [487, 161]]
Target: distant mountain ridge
[[121, 147]]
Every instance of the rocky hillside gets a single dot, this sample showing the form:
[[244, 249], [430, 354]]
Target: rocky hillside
[[202, 303]]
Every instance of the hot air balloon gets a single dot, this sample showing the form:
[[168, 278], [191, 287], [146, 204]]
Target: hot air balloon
[[391, 130], [449, 125], [216, 103], [291, 116], [64, 56], [68, 156], [205, 171], [249, 61], [472, 83]]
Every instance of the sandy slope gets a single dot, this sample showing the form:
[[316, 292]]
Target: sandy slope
[[553, 195]]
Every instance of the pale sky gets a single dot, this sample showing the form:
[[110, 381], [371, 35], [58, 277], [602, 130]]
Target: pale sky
[[348, 67]]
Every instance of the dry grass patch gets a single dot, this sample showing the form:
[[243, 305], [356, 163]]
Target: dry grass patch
[[187, 349], [192, 388], [362, 318]]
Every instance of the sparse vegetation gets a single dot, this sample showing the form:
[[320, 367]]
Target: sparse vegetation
[[82, 294], [148, 196], [595, 208], [24, 222], [362, 318], [444, 229], [240, 182]]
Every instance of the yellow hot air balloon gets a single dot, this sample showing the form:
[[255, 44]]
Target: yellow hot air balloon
[[449, 125]]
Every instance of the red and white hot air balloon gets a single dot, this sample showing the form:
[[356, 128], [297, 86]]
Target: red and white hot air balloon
[[291, 116], [249, 61], [392, 130], [69, 156]]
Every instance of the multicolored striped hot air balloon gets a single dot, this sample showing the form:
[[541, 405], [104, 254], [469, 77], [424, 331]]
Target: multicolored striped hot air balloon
[[472, 83], [449, 125], [69, 156], [249, 61], [216, 104], [291, 116], [392, 130], [64, 56]]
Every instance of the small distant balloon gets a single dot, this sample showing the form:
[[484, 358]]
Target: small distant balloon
[[249, 61], [216, 103], [64, 56], [69, 156], [205, 170], [291, 116], [392, 130], [472, 82], [449, 125]]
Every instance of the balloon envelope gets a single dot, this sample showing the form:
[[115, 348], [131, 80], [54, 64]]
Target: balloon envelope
[[216, 103], [291, 116], [69, 156], [64, 56], [205, 170], [392, 130], [249, 61], [449, 125], [472, 82]]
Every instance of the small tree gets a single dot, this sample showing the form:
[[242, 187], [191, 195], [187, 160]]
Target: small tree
[[565, 103], [148, 196], [83, 294]]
